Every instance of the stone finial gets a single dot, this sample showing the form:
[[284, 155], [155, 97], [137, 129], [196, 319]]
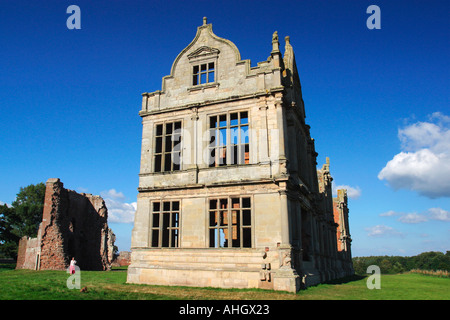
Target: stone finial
[[275, 42], [205, 21], [326, 166], [275, 36], [287, 39]]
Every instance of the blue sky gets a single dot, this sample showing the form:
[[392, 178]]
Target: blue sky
[[377, 100]]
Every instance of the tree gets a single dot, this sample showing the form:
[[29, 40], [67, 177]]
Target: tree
[[8, 240], [385, 265], [28, 207], [22, 219], [398, 268]]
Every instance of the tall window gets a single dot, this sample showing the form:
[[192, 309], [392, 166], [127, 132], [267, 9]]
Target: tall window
[[203, 73], [229, 139], [165, 224], [167, 154], [230, 222]]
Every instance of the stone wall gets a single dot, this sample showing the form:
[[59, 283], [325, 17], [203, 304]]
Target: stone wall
[[340, 212], [122, 259], [27, 253], [73, 225]]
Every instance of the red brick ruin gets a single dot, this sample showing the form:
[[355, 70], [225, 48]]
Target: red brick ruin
[[73, 225]]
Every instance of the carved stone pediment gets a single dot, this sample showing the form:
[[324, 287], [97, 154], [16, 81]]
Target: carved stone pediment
[[203, 52]]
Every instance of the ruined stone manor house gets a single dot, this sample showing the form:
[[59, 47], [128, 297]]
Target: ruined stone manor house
[[229, 194], [74, 225]]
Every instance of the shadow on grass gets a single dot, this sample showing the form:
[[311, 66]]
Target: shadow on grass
[[123, 269], [7, 266], [355, 277]]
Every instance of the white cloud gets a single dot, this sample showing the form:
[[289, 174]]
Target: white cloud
[[440, 116], [423, 165], [412, 218], [352, 192], [420, 135], [388, 213], [382, 231], [118, 210], [439, 214], [113, 194]]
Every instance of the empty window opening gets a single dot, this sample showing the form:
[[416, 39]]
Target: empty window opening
[[167, 156], [165, 224], [229, 141], [230, 223]]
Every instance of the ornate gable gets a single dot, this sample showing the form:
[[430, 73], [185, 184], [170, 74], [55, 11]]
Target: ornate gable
[[203, 52]]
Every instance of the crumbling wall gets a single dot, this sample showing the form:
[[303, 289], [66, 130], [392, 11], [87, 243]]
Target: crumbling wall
[[73, 225], [28, 253], [51, 230]]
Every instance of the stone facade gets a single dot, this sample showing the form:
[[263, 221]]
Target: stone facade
[[229, 195], [340, 212], [73, 225]]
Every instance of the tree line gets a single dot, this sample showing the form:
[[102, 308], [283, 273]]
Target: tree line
[[432, 260], [20, 219]]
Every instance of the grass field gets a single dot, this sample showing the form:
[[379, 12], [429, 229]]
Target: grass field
[[111, 285]]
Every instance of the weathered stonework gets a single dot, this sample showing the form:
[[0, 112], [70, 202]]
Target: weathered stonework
[[122, 259], [340, 212], [73, 225], [262, 221]]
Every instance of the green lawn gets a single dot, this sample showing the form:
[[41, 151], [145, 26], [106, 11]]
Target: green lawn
[[407, 286], [111, 285]]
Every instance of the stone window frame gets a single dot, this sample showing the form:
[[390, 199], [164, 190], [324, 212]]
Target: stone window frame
[[235, 154], [159, 165], [201, 56], [198, 73], [165, 224], [239, 222]]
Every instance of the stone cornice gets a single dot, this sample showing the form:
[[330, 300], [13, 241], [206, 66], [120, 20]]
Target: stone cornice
[[209, 102]]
